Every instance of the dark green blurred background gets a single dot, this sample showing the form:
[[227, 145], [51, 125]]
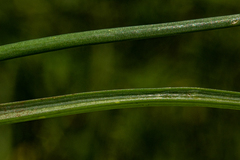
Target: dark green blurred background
[[205, 59]]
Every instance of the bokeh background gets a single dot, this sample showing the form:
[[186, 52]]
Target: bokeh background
[[207, 59]]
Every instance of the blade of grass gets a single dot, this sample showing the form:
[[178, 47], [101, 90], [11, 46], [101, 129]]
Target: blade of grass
[[116, 99], [47, 44]]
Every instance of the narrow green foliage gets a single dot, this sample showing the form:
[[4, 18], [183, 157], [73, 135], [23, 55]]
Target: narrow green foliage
[[36, 46], [116, 99]]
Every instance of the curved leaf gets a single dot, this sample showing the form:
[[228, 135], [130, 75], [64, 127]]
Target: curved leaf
[[47, 44], [116, 99]]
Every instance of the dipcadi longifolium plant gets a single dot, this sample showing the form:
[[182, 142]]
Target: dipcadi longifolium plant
[[14, 112]]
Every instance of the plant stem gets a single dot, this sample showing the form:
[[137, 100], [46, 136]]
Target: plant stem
[[116, 99], [47, 44]]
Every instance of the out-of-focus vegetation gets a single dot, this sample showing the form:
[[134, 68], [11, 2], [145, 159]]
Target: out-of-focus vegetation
[[204, 59]]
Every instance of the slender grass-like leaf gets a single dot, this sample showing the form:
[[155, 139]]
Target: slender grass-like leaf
[[116, 99], [36, 46]]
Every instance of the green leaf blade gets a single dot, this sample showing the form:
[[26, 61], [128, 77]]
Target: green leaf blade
[[64, 41], [116, 99]]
